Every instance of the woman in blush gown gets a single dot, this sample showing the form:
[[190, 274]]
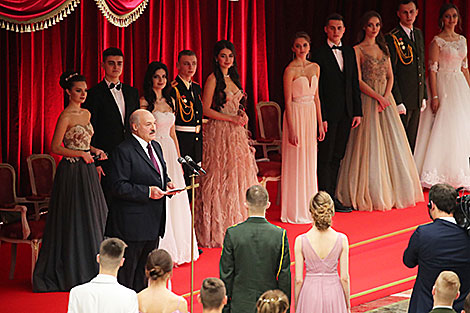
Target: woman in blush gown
[[156, 298], [443, 144], [77, 209], [299, 145], [178, 229], [378, 171], [227, 156], [322, 290]]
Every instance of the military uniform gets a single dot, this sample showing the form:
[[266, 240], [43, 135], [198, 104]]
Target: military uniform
[[409, 87], [255, 258], [188, 123]]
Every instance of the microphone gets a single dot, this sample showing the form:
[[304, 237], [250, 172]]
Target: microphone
[[183, 161], [194, 164]]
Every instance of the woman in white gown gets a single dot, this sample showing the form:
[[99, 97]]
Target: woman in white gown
[[443, 142], [156, 99]]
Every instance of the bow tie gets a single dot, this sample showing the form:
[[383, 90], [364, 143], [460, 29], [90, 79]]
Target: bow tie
[[336, 47], [117, 86]]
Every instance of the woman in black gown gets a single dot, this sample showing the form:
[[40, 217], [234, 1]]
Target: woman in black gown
[[77, 209]]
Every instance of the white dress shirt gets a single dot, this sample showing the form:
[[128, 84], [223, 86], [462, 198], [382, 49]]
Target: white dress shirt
[[144, 145], [103, 294], [407, 31], [119, 98], [338, 54]]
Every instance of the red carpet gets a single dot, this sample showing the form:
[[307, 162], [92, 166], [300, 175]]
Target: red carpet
[[372, 265]]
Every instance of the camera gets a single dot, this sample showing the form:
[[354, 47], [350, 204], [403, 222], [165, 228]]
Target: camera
[[462, 212]]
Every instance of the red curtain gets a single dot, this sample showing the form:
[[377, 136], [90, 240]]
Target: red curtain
[[261, 30]]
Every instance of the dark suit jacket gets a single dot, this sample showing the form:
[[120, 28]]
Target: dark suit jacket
[[339, 92], [409, 85], [134, 216], [189, 143], [105, 115], [255, 258], [436, 247]]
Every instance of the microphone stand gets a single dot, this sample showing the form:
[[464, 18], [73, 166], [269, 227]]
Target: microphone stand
[[193, 196]]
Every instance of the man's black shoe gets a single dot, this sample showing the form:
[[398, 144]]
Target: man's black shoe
[[339, 207], [200, 251]]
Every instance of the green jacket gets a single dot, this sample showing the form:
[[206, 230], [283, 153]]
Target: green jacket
[[407, 57], [255, 258], [442, 310]]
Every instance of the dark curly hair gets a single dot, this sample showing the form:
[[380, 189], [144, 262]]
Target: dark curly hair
[[149, 94], [219, 93]]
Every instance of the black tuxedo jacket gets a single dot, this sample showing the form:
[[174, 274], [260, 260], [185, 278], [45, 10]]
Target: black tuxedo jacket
[[105, 115], [409, 85], [434, 248], [339, 92], [133, 216]]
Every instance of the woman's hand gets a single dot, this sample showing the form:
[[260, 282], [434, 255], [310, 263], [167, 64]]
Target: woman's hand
[[293, 139], [383, 103], [238, 119], [102, 155], [434, 105], [321, 133], [86, 156]]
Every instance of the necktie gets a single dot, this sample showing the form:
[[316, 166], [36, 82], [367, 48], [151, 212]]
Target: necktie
[[336, 47], [412, 35], [152, 157], [113, 85]]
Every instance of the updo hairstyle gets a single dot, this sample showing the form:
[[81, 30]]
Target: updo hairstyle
[[444, 8], [68, 78], [322, 209], [303, 35], [272, 301], [159, 263]]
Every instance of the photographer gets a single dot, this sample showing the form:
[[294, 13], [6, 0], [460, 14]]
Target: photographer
[[438, 246]]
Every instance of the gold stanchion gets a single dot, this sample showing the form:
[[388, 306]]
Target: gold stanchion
[[193, 197]]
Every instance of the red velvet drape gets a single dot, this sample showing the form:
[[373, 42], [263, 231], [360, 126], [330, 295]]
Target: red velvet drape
[[31, 63]]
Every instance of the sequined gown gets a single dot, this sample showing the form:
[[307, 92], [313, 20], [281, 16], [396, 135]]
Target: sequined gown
[[178, 229], [231, 170], [75, 222], [378, 171], [443, 145]]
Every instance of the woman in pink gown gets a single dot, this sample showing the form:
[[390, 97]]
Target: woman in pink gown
[[322, 290], [227, 156], [299, 139]]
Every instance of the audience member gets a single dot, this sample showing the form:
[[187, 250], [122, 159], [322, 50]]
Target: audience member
[[445, 291], [103, 293], [272, 301], [438, 246], [255, 256], [212, 295], [156, 298], [466, 304]]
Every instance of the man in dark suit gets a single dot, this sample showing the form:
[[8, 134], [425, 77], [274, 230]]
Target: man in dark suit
[[111, 103], [445, 291], [441, 245], [340, 103], [255, 256], [188, 108], [138, 180], [406, 45]]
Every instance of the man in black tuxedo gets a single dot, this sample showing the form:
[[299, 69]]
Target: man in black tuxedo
[[188, 108], [441, 245], [340, 103], [406, 45], [138, 178], [111, 103]]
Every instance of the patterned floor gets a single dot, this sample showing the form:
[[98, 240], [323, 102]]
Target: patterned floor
[[397, 303]]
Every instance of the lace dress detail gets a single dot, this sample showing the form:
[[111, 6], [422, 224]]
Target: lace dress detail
[[443, 146], [231, 170], [78, 137], [378, 171]]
